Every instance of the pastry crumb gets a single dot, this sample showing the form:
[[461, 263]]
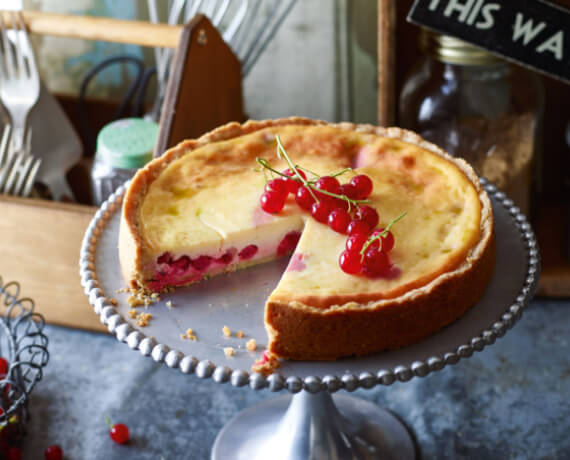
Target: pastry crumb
[[226, 331], [190, 334], [251, 345], [266, 364], [143, 319], [183, 336], [133, 314], [229, 351], [114, 301], [134, 301], [239, 334], [169, 304]]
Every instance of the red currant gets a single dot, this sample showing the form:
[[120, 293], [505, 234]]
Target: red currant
[[304, 198], [376, 263], [349, 190], [278, 186], [3, 366], [338, 220], [358, 227], [355, 242], [363, 186], [350, 262], [387, 239], [119, 433], [291, 173], [328, 183], [368, 215], [288, 243], [272, 202], [53, 452], [321, 210], [14, 453]]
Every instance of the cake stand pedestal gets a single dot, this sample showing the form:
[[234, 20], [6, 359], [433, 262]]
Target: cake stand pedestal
[[312, 424]]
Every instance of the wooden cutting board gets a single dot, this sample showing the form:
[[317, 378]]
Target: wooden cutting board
[[40, 243]]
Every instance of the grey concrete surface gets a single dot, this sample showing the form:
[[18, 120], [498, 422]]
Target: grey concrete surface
[[510, 401]]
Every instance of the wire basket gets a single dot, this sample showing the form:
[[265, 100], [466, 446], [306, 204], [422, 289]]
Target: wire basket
[[23, 345]]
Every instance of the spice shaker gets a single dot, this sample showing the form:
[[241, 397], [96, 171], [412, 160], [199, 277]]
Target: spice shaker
[[123, 147], [480, 107]]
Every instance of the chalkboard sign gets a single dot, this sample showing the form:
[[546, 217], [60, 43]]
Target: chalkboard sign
[[531, 32]]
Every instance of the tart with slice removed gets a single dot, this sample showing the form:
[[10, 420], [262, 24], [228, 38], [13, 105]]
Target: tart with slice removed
[[195, 212]]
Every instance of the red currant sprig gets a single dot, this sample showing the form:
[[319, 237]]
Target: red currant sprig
[[367, 253], [308, 192]]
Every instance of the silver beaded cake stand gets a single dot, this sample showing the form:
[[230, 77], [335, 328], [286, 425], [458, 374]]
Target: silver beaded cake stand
[[311, 424]]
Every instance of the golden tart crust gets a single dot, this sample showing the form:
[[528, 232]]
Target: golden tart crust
[[309, 326]]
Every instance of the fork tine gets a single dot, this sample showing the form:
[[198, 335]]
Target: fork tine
[[19, 47], [4, 144], [28, 48], [7, 52], [31, 176], [13, 169], [23, 172]]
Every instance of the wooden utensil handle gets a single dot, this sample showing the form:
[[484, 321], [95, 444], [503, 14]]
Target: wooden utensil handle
[[101, 28]]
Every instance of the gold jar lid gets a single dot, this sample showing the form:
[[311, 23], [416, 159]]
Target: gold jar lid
[[454, 51]]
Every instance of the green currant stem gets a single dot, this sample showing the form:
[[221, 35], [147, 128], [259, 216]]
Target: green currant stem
[[281, 151], [380, 235], [108, 422]]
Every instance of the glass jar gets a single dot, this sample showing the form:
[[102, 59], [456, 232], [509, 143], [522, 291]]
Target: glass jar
[[123, 147], [478, 107]]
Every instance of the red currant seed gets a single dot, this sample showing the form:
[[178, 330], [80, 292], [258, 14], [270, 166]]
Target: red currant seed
[[354, 243], [320, 211], [329, 184], [278, 186], [304, 198], [119, 433], [272, 202], [358, 227], [349, 190], [363, 185], [338, 220], [350, 262], [53, 452], [368, 215]]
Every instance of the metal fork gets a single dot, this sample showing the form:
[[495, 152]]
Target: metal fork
[[19, 170], [19, 78]]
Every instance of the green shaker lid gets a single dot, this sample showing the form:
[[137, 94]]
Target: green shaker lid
[[127, 143]]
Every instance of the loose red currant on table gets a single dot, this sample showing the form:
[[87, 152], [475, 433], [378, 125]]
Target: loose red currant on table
[[338, 220], [3, 366], [53, 452], [119, 433], [272, 202], [368, 215], [362, 186]]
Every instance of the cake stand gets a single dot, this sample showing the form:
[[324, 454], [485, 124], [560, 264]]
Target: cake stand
[[311, 424]]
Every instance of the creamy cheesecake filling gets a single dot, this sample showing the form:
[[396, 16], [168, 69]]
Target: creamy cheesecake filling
[[197, 228]]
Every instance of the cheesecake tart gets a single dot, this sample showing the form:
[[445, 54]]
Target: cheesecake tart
[[195, 212]]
